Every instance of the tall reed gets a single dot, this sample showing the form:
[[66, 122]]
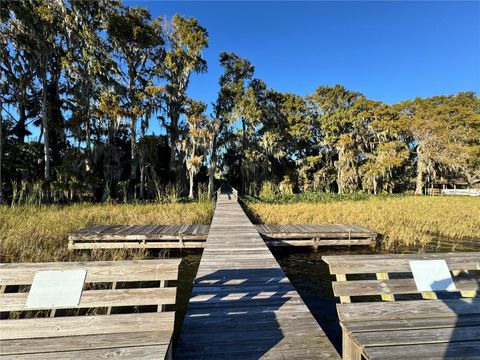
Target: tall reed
[[39, 233], [406, 220]]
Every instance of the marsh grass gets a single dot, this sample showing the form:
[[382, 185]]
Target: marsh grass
[[402, 220], [31, 233], [272, 196]]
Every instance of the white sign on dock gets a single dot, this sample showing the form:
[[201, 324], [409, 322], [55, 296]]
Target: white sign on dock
[[432, 275], [56, 289]]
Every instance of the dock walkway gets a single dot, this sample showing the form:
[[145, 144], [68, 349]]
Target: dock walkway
[[243, 306]]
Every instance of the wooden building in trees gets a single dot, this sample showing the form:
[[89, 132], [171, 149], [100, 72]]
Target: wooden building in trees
[[455, 186]]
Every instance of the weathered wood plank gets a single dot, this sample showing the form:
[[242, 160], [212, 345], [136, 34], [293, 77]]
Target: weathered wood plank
[[100, 298], [256, 347], [396, 286], [85, 325], [98, 271], [138, 245], [417, 336], [384, 276], [242, 305], [408, 309], [86, 342], [319, 242], [141, 352], [453, 350], [405, 324], [361, 264], [322, 231]]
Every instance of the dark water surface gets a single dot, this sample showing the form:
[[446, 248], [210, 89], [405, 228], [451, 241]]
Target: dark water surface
[[186, 274]]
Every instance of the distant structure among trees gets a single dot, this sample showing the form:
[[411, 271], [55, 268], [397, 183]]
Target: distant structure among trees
[[82, 81], [455, 186]]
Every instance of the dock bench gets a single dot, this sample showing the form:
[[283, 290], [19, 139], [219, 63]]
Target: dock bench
[[124, 312], [406, 323]]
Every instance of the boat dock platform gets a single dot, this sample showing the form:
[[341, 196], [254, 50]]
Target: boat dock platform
[[243, 306]]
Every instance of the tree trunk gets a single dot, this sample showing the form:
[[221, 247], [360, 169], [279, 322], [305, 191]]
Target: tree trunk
[[244, 145], [133, 124], [211, 176], [420, 169], [340, 165], [190, 191], [1, 153], [339, 181], [20, 127], [88, 146], [174, 117], [142, 181], [46, 143], [143, 129], [212, 168], [87, 127], [173, 145], [133, 145]]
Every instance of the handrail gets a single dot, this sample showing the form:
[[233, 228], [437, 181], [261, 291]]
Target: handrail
[[471, 192]]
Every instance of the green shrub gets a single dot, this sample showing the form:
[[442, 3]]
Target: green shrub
[[268, 190]]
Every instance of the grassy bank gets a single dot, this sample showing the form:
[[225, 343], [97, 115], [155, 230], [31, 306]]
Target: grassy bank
[[402, 220], [39, 233]]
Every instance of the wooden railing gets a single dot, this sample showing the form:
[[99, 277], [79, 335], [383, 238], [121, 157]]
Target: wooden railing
[[464, 192], [457, 192]]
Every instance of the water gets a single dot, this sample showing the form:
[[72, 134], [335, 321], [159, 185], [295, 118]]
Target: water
[[186, 274]]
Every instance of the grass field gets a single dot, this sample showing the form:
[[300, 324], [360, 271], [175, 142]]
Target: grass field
[[402, 220], [39, 233]]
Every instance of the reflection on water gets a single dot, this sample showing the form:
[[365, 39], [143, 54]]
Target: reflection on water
[[440, 245]]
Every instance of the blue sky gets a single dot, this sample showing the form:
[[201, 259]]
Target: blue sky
[[389, 50]]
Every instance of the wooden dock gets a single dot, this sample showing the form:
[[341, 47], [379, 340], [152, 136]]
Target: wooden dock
[[243, 306], [403, 327], [124, 312], [139, 236], [194, 236], [316, 235]]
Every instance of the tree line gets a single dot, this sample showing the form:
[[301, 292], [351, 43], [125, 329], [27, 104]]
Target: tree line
[[88, 78]]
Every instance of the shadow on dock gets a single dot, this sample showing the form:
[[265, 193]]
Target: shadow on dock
[[464, 340], [248, 314]]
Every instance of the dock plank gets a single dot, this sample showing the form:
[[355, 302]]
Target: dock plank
[[194, 236], [243, 306]]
